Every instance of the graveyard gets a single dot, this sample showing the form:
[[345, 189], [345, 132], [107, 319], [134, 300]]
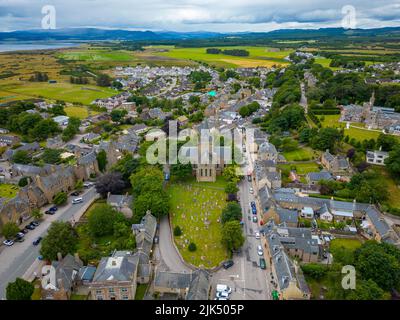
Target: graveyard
[[196, 208]]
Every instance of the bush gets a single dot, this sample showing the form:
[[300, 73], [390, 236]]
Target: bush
[[60, 198], [177, 231], [10, 230], [192, 247], [314, 270]]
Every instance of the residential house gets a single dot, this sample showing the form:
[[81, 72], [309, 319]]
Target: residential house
[[9, 140], [377, 157], [314, 178], [335, 164], [62, 121], [267, 151], [54, 143], [115, 277], [122, 203]]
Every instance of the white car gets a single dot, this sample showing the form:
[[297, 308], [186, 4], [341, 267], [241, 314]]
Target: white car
[[88, 184], [260, 251], [224, 288], [222, 294], [77, 200], [8, 243], [251, 190], [257, 234]]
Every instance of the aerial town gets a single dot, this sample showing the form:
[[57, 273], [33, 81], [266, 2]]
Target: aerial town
[[277, 167]]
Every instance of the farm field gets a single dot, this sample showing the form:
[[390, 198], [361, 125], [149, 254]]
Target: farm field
[[196, 209], [259, 56], [57, 91], [85, 54]]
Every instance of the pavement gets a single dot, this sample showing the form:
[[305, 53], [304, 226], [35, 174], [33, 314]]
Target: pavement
[[21, 259]]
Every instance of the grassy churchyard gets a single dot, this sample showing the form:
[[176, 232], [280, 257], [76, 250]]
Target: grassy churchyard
[[8, 191], [196, 208]]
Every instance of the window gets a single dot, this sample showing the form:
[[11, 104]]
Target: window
[[100, 298], [125, 297], [111, 290], [99, 291], [124, 290]]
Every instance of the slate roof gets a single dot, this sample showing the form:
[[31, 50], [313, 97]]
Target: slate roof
[[379, 223], [287, 216], [122, 266], [67, 270], [199, 286], [172, 280], [88, 158], [317, 176]]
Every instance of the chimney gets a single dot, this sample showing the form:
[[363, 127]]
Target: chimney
[[59, 256]]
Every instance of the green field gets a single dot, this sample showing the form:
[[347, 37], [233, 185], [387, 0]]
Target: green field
[[57, 91], [301, 168], [349, 244], [303, 154], [393, 187], [259, 56], [8, 190], [192, 203], [97, 55], [78, 112]]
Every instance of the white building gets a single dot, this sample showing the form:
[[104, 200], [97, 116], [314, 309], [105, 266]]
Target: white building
[[377, 157]]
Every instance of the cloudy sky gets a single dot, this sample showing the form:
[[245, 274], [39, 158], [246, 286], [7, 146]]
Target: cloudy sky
[[198, 15]]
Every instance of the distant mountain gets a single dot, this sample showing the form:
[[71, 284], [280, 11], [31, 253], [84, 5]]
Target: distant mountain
[[86, 34]]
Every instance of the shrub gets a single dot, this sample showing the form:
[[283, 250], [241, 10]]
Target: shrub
[[192, 247], [313, 270], [177, 231]]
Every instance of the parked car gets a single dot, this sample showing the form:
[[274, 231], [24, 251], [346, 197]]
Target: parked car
[[8, 242], [35, 223], [49, 212], [20, 235], [30, 227], [224, 288], [75, 193], [77, 200], [222, 294], [263, 265], [53, 209], [228, 264], [251, 190], [249, 178], [37, 241], [88, 184], [25, 231], [156, 239], [260, 250], [255, 220], [257, 235]]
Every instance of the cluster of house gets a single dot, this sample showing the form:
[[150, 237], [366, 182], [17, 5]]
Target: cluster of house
[[116, 277]]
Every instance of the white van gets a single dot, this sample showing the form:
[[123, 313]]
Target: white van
[[77, 200], [223, 288]]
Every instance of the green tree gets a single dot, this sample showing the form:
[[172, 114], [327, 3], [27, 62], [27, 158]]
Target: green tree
[[325, 139], [230, 174], [20, 289], [112, 182], [103, 80], [102, 160], [60, 198], [36, 214], [177, 231], [366, 290], [23, 182], [21, 156], [147, 179], [232, 212], [231, 188], [117, 115], [127, 166], [192, 247], [102, 219], [44, 129], [232, 235], [79, 185], [181, 171], [61, 238], [51, 156], [393, 162], [10, 230], [156, 202]]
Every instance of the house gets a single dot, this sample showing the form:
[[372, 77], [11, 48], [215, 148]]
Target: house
[[66, 277], [335, 164], [138, 128], [28, 147], [307, 212], [24, 170], [62, 121], [91, 137], [267, 174], [54, 143], [9, 140], [314, 178], [267, 151], [155, 135], [377, 157], [290, 282], [115, 277], [121, 203], [282, 216], [188, 286], [324, 213]]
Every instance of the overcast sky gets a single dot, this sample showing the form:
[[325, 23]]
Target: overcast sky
[[198, 15]]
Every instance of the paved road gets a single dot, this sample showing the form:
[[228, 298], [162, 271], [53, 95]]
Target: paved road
[[15, 260], [168, 252]]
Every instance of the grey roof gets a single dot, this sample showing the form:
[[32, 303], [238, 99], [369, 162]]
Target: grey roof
[[317, 176], [287, 216], [298, 238], [199, 286], [87, 273], [28, 169], [120, 200], [267, 147], [67, 270], [328, 156], [88, 158], [379, 223], [145, 232], [122, 266], [172, 280]]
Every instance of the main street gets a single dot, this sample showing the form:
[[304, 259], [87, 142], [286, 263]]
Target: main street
[[16, 260]]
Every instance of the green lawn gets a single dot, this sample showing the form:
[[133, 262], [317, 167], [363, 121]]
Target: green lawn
[[259, 56], [350, 244], [78, 297], [393, 187], [303, 154], [8, 190], [58, 91], [191, 203], [140, 291], [78, 112], [97, 55], [301, 168]]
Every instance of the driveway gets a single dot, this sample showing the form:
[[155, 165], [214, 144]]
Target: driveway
[[169, 255], [17, 259]]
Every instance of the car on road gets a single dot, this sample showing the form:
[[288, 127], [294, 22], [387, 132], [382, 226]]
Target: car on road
[[75, 193], [257, 235], [37, 241], [156, 239], [224, 288], [263, 265], [30, 227], [25, 231], [228, 264], [222, 294], [53, 209], [19, 238], [249, 178], [255, 220], [35, 223], [251, 190], [260, 250], [49, 212], [20, 235], [8, 242], [77, 200], [88, 184], [253, 204]]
